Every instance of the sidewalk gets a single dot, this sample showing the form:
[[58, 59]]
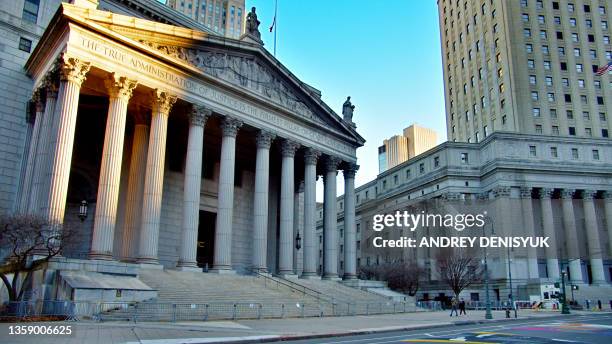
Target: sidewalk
[[251, 330]]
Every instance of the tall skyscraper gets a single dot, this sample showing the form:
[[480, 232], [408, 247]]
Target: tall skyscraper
[[526, 66], [225, 17], [399, 148]]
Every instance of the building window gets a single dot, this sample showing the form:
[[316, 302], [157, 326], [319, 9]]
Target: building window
[[600, 100], [565, 82], [572, 131], [464, 158], [588, 132], [543, 34], [553, 113], [30, 10], [545, 50], [547, 65], [570, 114], [551, 97], [561, 51], [25, 44], [549, 81], [555, 130], [534, 95], [581, 83], [527, 33], [602, 116], [595, 154], [436, 161], [538, 129], [553, 152], [575, 153], [530, 64], [395, 179], [532, 151], [421, 168], [568, 98], [604, 132], [579, 68], [563, 65], [485, 130], [532, 79], [586, 116], [408, 174], [536, 112], [529, 48]]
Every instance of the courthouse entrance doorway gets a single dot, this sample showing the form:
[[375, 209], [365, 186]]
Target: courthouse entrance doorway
[[206, 239]]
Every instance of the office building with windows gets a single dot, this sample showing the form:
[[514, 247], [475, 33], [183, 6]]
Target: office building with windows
[[399, 148], [225, 17], [526, 66]]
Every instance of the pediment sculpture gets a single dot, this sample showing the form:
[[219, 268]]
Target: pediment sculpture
[[243, 71]]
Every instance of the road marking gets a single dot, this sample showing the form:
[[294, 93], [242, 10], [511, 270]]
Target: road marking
[[563, 340], [442, 341]]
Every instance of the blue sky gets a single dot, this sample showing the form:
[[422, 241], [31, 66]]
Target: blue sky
[[385, 54]]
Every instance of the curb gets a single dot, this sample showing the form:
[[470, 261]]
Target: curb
[[382, 330]]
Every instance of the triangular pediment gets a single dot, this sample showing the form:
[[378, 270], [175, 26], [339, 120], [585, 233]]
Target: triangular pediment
[[243, 65]]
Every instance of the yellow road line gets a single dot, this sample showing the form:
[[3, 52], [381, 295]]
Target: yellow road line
[[441, 341]]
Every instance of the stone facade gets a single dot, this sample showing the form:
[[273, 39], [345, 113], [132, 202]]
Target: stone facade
[[164, 151], [554, 186]]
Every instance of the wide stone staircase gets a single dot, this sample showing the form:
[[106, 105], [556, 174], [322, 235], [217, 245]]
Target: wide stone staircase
[[351, 300], [204, 296]]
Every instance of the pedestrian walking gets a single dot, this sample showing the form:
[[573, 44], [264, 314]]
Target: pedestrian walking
[[599, 304], [454, 307], [462, 307]]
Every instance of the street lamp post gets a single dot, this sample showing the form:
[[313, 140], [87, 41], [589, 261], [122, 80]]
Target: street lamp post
[[511, 296], [564, 307], [488, 314]]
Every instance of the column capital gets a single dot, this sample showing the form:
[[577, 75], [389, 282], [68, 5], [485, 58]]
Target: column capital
[[300, 187], [526, 191], [311, 156], [567, 193], [198, 115], [607, 194], [288, 148], [546, 193], [350, 169], [588, 194], [331, 164], [38, 99], [73, 69], [51, 85], [264, 139], [162, 102], [120, 86], [230, 126], [501, 191]]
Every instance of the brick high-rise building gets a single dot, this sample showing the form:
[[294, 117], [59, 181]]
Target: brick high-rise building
[[526, 66]]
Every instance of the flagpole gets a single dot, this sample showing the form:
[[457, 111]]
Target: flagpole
[[275, 24]]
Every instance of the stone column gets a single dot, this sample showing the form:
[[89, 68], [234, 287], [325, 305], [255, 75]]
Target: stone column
[[191, 188], [595, 252], [38, 196], [135, 189], [298, 227], [571, 236], [223, 232], [286, 240], [260, 201], [120, 91], [608, 213], [154, 177], [330, 220], [72, 75], [552, 261], [26, 188], [350, 244], [311, 244], [532, 253]]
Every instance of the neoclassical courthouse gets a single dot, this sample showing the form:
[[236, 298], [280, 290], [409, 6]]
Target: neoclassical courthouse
[[189, 148]]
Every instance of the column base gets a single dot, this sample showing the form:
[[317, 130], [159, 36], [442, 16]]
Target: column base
[[189, 268], [331, 278], [310, 276], [349, 277], [149, 263], [287, 276], [222, 271], [100, 256]]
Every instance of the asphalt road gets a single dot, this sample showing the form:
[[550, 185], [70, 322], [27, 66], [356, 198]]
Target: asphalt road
[[592, 328]]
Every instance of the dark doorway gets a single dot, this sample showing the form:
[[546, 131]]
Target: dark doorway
[[206, 239]]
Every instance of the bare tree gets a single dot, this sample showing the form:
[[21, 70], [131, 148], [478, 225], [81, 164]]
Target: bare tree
[[26, 243], [404, 277], [459, 268]]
